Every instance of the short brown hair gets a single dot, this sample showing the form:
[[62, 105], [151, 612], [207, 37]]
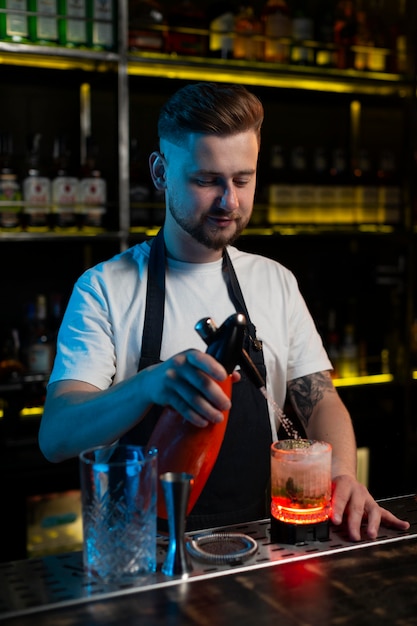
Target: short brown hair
[[210, 109]]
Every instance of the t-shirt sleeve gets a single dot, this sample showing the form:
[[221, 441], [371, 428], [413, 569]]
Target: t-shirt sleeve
[[85, 345]]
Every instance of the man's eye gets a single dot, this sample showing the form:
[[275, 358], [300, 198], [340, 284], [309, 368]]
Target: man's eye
[[206, 182], [241, 182]]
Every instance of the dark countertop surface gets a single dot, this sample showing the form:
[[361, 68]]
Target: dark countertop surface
[[335, 583]]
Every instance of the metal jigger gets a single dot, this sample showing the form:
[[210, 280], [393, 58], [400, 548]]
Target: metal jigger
[[176, 487]]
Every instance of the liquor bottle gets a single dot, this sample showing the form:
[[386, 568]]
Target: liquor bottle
[[147, 26], [64, 186], [389, 188], [349, 354], [221, 24], [280, 191], [398, 60], [40, 348], [343, 190], [101, 26], [11, 366], [43, 26], [303, 189], [140, 186], [378, 36], [36, 189], [344, 33], [92, 190], [72, 25], [324, 196], [247, 44], [14, 21], [362, 40], [325, 54], [277, 27], [366, 190], [10, 194], [187, 29], [302, 33]]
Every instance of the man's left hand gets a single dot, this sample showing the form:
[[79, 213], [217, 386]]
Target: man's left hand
[[351, 500]]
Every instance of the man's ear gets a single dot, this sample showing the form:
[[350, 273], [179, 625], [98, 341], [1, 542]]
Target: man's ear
[[157, 169]]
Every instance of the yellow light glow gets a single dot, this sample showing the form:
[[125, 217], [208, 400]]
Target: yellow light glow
[[57, 58], [33, 411], [363, 380], [263, 74]]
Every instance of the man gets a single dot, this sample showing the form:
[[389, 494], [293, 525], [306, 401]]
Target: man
[[122, 353]]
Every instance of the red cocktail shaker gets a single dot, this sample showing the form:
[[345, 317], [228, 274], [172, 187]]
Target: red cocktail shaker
[[183, 447]]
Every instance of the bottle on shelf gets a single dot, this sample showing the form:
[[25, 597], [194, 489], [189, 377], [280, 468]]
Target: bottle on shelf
[[341, 187], [389, 188], [92, 190], [344, 30], [187, 29], [398, 60], [302, 51], [101, 24], [11, 366], [43, 23], [64, 186], [377, 59], [277, 28], [147, 26], [36, 189], [10, 193], [325, 53], [72, 23], [365, 188], [40, 348], [247, 43], [362, 40], [140, 186], [303, 189], [221, 18], [324, 190], [280, 191], [349, 354], [14, 25]]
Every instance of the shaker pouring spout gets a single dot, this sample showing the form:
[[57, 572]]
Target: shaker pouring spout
[[209, 332]]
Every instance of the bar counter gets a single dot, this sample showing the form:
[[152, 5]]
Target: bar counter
[[315, 584]]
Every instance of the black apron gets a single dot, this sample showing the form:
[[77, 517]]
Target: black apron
[[237, 489]]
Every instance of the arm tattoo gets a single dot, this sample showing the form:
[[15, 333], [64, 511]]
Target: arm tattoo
[[307, 391]]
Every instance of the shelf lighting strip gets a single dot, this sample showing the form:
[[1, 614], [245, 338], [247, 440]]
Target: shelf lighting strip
[[219, 70], [353, 381]]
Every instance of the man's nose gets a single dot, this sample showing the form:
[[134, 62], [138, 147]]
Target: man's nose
[[229, 199]]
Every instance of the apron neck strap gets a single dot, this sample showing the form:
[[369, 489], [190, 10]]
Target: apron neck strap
[[155, 301], [238, 300]]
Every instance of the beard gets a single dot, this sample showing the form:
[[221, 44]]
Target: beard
[[212, 238]]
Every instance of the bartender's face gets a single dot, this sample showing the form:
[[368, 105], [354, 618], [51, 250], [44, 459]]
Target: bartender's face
[[210, 185]]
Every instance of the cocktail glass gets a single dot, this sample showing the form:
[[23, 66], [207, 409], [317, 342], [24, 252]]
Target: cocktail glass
[[119, 490], [301, 481]]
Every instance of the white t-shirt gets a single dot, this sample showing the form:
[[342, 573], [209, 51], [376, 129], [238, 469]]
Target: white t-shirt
[[100, 338]]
